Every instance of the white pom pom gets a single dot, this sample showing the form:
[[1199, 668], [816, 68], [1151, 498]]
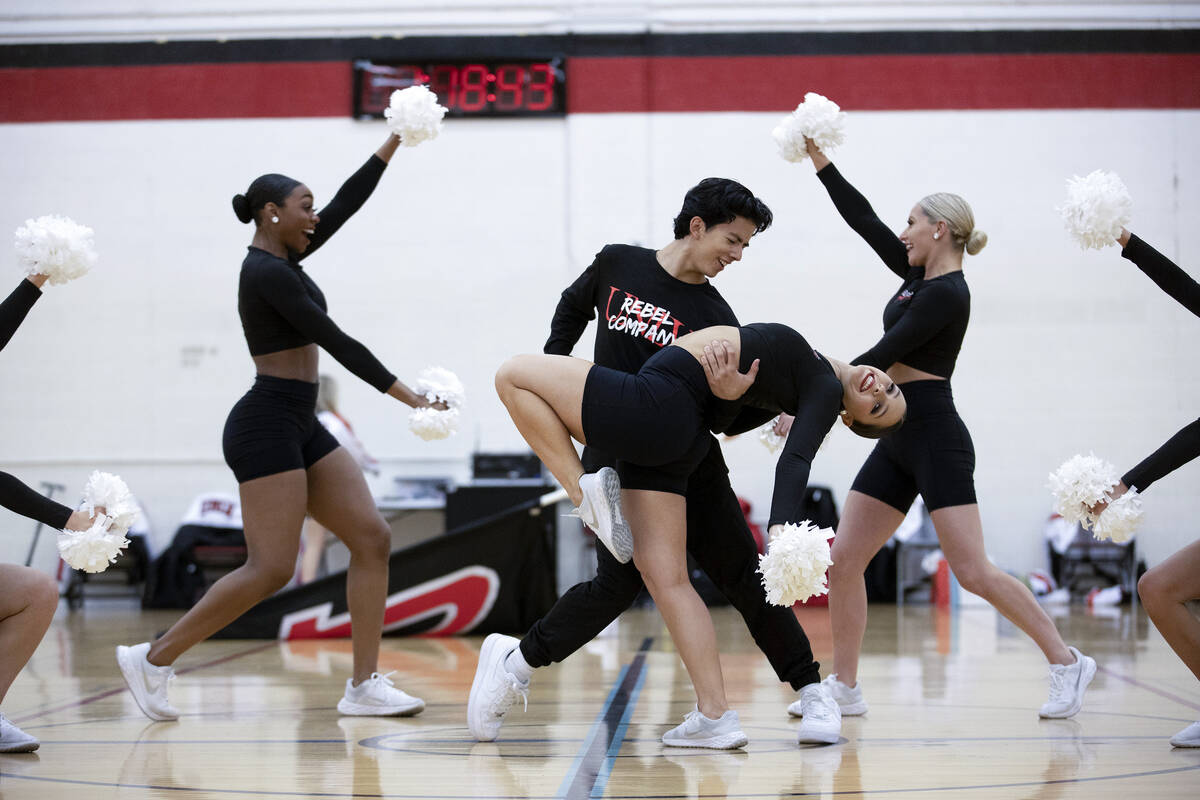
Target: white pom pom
[[794, 566], [1080, 483], [1097, 207], [94, 549], [1120, 518], [107, 491], [414, 115], [56, 247], [818, 118], [770, 439], [440, 385], [431, 424]]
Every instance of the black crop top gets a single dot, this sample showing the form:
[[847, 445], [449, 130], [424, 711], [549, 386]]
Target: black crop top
[[14, 495], [794, 379], [281, 306], [1185, 445], [925, 322]]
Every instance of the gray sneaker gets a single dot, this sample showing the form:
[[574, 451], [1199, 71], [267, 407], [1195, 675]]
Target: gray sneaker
[[601, 511], [1067, 685], [147, 682], [849, 699], [15, 740], [698, 730], [494, 689], [822, 722]]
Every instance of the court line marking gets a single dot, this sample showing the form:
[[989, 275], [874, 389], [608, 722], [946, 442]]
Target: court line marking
[[475, 796], [594, 762], [1148, 688], [123, 688]]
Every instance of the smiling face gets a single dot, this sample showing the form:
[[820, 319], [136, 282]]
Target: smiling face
[[871, 398], [918, 236], [297, 219], [716, 247]]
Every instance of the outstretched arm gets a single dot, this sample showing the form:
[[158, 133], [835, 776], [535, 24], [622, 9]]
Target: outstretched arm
[[1160, 269], [17, 305], [20, 499], [859, 215], [350, 198]]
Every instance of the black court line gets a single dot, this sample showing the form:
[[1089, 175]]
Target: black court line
[[590, 771]]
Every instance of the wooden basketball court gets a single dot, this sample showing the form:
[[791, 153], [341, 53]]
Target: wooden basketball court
[[953, 713]]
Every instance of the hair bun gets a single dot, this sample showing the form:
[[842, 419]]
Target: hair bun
[[241, 207], [976, 240]]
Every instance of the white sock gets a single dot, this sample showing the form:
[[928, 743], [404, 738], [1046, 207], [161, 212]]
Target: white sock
[[515, 663]]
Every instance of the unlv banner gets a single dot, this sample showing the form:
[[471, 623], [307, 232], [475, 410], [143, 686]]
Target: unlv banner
[[496, 574]]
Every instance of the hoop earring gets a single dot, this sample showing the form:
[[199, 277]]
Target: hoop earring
[[276, 219]]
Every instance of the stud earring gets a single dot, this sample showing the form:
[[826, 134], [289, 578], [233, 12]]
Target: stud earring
[[276, 219], [937, 236]]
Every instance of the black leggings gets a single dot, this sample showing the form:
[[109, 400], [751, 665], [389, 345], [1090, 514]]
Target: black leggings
[[274, 429], [652, 422], [931, 455]]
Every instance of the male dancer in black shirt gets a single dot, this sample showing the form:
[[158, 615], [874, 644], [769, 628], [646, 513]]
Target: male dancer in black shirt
[[645, 300]]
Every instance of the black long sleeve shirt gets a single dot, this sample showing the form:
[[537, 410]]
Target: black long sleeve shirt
[[15, 495], [925, 321], [281, 307], [794, 379], [1185, 445]]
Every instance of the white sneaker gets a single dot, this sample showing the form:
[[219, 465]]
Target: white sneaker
[[822, 717], [15, 740], [849, 698], [494, 689], [1067, 685], [377, 696], [1188, 737], [146, 682], [601, 511], [698, 730]]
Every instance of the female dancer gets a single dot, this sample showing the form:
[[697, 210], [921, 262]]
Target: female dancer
[[924, 325], [655, 423], [28, 596], [285, 462], [1166, 589]]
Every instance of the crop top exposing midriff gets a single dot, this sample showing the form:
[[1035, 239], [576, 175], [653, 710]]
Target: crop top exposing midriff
[[925, 321], [282, 308]]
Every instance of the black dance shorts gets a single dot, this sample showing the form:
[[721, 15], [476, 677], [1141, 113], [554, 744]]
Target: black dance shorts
[[931, 455], [651, 422], [274, 428]]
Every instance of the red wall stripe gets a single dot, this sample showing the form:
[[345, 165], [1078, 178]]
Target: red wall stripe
[[623, 84]]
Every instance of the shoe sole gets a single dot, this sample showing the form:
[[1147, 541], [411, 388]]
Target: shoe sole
[[474, 712], [617, 538], [348, 709], [132, 676], [730, 741], [818, 737], [1086, 674], [28, 747]]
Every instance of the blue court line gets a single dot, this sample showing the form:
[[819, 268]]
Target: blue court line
[[592, 766]]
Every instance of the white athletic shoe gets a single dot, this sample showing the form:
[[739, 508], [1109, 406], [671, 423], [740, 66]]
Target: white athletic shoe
[[15, 740], [601, 511], [377, 696], [147, 682], [849, 699], [698, 730], [822, 718], [1188, 737], [494, 689], [1067, 685]]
